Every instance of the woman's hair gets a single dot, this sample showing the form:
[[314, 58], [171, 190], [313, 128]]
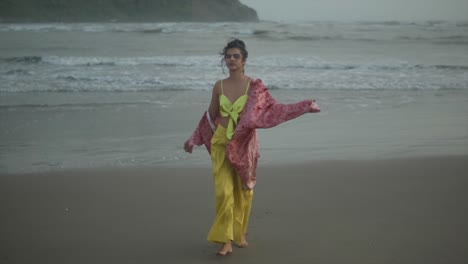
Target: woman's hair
[[234, 43]]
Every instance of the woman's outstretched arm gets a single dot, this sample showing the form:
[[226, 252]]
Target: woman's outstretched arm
[[271, 113]]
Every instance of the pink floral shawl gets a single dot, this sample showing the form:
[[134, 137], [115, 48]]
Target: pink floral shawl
[[260, 111]]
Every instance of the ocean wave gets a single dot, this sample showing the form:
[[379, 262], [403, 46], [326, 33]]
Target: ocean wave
[[386, 23], [108, 80], [77, 79], [66, 61], [210, 62], [449, 37], [261, 32], [115, 86], [19, 72], [346, 82], [161, 27], [318, 64], [460, 39], [79, 105], [59, 27], [305, 36], [152, 31], [200, 27], [315, 38], [452, 37], [434, 31], [167, 61], [37, 27], [25, 59], [421, 23], [451, 67]]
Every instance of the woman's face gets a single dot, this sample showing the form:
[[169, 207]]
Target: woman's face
[[234, 59]]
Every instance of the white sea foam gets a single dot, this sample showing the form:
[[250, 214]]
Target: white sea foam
[[436, 31], [55, 73]]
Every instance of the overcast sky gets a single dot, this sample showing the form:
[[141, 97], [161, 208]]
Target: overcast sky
[[292, 10]]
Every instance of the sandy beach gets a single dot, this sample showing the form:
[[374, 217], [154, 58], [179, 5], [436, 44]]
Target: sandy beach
[[94, 115], [381, 211]]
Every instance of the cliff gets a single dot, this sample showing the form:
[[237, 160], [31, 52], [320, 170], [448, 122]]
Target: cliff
[[125, 11]]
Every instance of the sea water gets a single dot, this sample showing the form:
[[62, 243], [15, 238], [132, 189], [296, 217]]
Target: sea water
[[113, 94]]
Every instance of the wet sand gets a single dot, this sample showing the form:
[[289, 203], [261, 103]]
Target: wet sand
[[370, 211]]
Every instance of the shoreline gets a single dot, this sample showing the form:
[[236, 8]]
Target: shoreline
[[203, 164], [381, 211]]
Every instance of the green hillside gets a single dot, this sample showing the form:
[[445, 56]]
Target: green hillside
[[124, 10]]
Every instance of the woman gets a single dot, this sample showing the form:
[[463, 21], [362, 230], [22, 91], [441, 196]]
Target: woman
[[238, 106]]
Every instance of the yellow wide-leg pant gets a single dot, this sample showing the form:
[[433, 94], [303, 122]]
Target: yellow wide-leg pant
[[233, 203]]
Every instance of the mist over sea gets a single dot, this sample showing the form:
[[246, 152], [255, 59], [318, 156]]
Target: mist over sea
[[113, 94]]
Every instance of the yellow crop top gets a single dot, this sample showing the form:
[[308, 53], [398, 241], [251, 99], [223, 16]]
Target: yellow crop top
[[232, 110]]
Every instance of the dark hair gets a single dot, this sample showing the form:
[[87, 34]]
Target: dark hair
[[234, 43]]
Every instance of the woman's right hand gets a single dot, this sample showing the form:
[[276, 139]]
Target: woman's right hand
[[188, 147]]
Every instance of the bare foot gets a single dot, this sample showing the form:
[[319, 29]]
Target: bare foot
[[226, 249], [244, 242]]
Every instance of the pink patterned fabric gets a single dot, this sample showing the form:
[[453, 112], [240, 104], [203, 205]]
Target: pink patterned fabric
[[260, 111]]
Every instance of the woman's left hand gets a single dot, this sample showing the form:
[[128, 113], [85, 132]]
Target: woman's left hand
[[314, 108]]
